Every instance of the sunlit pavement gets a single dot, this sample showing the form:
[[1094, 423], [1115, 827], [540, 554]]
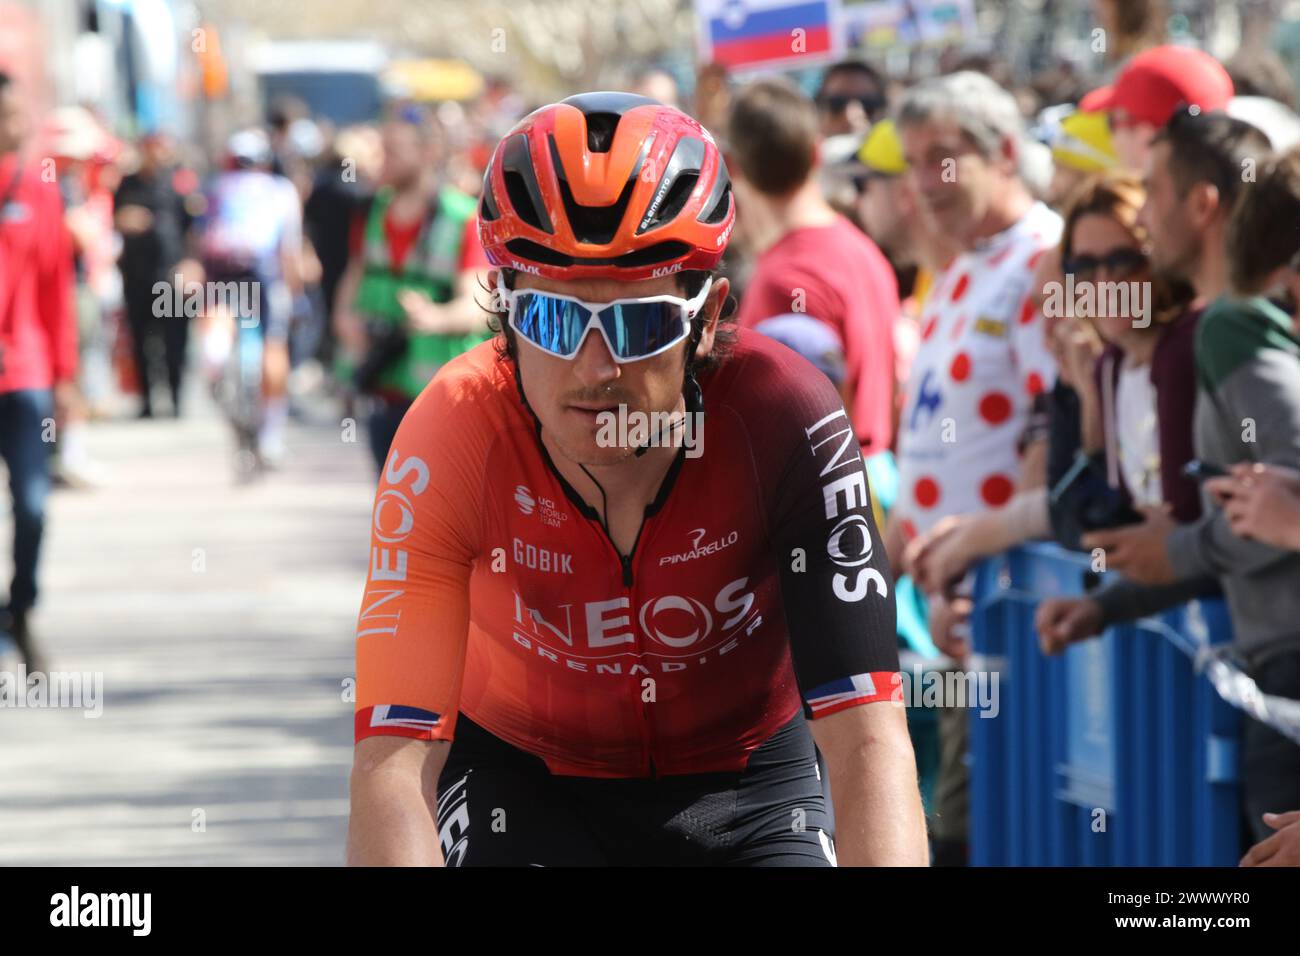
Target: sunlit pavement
[[220, 618]]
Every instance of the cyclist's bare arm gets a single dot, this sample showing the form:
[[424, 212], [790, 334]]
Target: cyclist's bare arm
[[879, 820], [394, 802], [837, 592], [412, 629]]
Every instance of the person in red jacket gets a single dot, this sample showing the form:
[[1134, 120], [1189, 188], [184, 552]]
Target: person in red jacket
[[811, 260], [38, 348]]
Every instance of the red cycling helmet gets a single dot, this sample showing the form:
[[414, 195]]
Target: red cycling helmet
[[606, 185]]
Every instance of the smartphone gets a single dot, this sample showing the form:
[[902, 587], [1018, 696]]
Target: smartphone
[[1200, 471]]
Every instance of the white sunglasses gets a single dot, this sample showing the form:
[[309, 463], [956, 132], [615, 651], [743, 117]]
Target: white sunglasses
[[633, 328]]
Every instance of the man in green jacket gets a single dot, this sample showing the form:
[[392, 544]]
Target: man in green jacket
[[406, 303]]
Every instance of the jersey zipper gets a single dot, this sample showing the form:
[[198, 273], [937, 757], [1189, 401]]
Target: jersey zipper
[[628, 562], [647, 727]]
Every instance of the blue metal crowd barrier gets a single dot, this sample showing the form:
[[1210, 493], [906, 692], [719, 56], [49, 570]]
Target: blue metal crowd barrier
[[1115, 753]]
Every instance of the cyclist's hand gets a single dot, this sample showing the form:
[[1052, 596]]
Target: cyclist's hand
[[1062, 621]]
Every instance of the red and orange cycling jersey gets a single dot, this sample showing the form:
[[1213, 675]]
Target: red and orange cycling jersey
[[758, 581]]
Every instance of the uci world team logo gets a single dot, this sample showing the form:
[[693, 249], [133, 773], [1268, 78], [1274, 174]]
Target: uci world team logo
[[548, 512]]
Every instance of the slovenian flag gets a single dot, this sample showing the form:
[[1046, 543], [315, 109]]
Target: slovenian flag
[[745, 34]]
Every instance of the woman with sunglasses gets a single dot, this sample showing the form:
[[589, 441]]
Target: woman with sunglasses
[[1137, 398], [624, 571]]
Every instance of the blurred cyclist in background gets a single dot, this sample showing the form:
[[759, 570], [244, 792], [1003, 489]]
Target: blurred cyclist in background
[[252, 238]]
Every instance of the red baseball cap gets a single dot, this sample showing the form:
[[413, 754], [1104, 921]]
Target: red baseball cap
[[1157, 81]]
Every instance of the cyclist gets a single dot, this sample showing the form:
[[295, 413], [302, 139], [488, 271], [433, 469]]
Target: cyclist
[[581, 650], [251, 244]]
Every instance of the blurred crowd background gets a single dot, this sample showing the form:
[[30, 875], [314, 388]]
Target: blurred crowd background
[[132, 97]]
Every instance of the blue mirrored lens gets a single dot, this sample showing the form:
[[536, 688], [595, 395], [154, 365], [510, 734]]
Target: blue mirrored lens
[[641, 328], [552, 324]]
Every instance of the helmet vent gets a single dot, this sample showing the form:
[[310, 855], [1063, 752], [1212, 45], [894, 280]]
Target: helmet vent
[[535, 252], [600, 131], [675, 200], [521, 184], [719, 210], [659, 252], [487, 207], [519, 198]]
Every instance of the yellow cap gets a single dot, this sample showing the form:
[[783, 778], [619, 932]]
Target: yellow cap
[[882, 150], [1084, 143]]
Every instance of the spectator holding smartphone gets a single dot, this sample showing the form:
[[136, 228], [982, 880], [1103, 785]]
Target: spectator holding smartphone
[[1248, 412], [1262, 503]]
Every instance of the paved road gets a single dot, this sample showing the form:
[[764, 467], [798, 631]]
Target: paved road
[[221, 620]]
